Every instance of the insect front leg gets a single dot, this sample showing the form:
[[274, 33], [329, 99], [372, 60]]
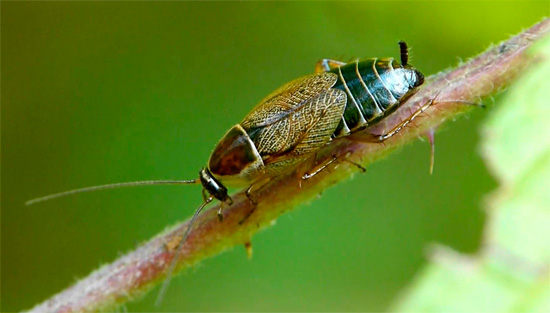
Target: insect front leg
[[220, 214], [326, 65]]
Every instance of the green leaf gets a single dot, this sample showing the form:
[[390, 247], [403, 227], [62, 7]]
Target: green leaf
[[511, 271]]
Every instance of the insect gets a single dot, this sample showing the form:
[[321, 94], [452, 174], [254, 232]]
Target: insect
[[291, 124], [296, 120]]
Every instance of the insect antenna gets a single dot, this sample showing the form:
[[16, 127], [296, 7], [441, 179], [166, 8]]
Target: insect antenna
[[172, 267], [112, 186]]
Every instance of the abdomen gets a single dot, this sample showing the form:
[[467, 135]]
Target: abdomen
[[374, 88]]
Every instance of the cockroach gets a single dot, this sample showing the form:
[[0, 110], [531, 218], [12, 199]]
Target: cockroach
[[291, 124]]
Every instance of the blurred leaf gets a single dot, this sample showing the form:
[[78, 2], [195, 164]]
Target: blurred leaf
[[511, 272]]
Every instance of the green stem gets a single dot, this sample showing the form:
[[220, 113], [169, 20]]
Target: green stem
[[143, 268]]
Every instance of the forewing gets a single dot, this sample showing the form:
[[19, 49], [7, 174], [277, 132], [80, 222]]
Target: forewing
[[283, 101], [303, 130], [328, 109]]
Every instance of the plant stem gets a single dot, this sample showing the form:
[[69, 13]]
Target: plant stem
[[140, 270]]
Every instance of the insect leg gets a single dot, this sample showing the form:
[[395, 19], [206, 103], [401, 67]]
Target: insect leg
[[359, 166], [326, 65], [220, 214], [404, 123], [256, 186], [327, 162], [249, 193], [319, 168], [420, 110]]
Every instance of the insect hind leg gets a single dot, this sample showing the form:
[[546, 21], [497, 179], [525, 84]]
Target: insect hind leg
[[399, 127]]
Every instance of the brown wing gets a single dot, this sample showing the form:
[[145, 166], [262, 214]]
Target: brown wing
[[302, 130], [280, 103]]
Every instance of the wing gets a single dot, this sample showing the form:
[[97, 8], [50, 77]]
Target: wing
[[300, 131], [280, 103]]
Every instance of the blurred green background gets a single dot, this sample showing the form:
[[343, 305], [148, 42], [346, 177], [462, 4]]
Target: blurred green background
[[100, 92]]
